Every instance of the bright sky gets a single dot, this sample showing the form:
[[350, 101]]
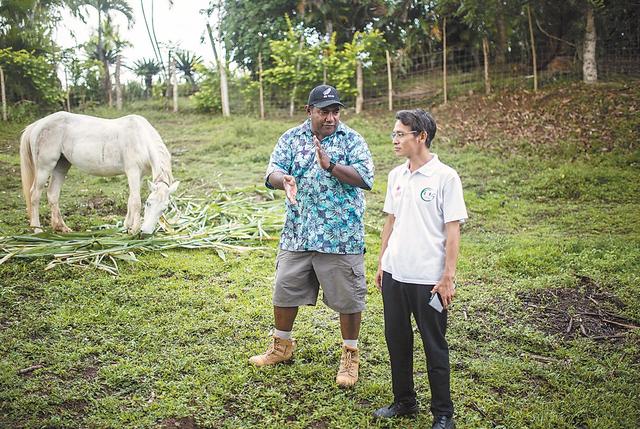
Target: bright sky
[[181, 25]]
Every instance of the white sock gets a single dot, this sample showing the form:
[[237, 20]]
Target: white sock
[[350, 343], [285, 335]]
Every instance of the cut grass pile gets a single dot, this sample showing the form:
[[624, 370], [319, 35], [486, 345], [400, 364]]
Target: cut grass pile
[[224, 221]]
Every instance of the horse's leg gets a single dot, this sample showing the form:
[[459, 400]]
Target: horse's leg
[[53, 194], [42, 174], [132, 221]]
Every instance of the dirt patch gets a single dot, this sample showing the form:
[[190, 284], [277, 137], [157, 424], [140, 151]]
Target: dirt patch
[[319, 424], [181, 423], [77, 405], [90, 373], [102, 206], [588, 115], [583, 311]]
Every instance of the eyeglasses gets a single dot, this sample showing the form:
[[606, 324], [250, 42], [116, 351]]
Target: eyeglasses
[[400, 134]]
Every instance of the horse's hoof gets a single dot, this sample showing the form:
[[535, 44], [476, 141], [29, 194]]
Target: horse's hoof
[[37, 230]]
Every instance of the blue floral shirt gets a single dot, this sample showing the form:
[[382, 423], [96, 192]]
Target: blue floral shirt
[[329, 215]]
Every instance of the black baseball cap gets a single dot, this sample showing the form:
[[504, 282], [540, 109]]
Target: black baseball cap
[[323, 96]]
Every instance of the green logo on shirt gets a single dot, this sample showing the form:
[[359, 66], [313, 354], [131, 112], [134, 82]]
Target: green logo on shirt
[[427, 194]]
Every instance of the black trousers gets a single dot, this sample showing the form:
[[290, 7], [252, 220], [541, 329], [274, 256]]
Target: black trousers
[[401, 300]]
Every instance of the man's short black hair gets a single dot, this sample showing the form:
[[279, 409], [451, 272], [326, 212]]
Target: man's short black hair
[[419, 120]]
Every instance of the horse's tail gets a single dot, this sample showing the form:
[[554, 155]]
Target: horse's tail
[[27, 167]]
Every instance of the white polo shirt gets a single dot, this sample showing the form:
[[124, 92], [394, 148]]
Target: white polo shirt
[[422, 202]]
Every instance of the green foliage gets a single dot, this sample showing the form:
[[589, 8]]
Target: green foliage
[[29, 76], [186, 63], [247, 26], [302, 58], [85, 77], [296, 61], [208, 97], [146, 68], [366, 47]]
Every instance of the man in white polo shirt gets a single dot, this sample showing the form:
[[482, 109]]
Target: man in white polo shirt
[[418, 255]]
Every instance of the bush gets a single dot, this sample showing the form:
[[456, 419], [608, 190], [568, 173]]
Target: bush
[[208, 98], [30, 77]]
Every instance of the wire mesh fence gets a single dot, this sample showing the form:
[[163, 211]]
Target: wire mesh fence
[[422, 80]]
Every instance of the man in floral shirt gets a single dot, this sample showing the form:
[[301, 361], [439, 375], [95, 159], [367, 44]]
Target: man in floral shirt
[[323, 167]]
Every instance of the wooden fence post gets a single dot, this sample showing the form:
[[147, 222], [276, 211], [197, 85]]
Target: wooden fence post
[[389, 81], [533, 52], [589, 66], [4, 96], [260, 86], [485, 52], [444, 58], [174, 80]]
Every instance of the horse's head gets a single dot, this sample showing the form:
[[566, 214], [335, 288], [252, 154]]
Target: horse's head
[[156, 204]]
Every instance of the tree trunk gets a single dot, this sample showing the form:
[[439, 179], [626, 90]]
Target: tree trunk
[[444, 58], [292, 103], [589, 65], [155, 40], [502, 39], [148, 83], [118, 85], [224, 90], [300, 46], [67, 92], [359, 86], [4, 96], [485, 54], [156, 49], [174, 80], [261, 85], [389, 81], [328, 25], [106, 83], [533, 52]]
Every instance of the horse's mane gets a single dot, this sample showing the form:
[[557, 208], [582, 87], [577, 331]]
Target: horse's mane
[[160, 158], [163, 173]]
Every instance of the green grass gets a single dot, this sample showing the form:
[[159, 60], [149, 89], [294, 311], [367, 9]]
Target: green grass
[[169, 338]]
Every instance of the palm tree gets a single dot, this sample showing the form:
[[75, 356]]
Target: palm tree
[[147, 69], [186, 62], [151, 32], [104, 7]]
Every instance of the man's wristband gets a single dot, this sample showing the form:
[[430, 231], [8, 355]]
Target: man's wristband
[[330, 167]]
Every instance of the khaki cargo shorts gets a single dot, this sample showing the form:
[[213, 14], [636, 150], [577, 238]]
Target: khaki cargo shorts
[[300, 274]]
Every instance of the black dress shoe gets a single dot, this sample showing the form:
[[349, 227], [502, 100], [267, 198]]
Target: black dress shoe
[[443, 422], [396, 409]]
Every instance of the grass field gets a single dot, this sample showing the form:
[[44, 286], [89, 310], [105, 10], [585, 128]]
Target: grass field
[[541, 333]]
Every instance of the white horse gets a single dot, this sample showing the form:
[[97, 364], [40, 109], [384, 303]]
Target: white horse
[[102, 147]]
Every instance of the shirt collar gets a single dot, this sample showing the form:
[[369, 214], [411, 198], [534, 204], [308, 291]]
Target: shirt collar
[[305, 128], [426, 170]]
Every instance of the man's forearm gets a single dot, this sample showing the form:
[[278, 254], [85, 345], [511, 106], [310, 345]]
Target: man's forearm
[[386, 233], [349, 175], [276, 179], [452, 248]]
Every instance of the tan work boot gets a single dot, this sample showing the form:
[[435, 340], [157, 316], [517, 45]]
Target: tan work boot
[[280, 350], [349, 364]]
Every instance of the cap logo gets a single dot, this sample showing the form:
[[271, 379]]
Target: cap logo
[[327, 91]]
